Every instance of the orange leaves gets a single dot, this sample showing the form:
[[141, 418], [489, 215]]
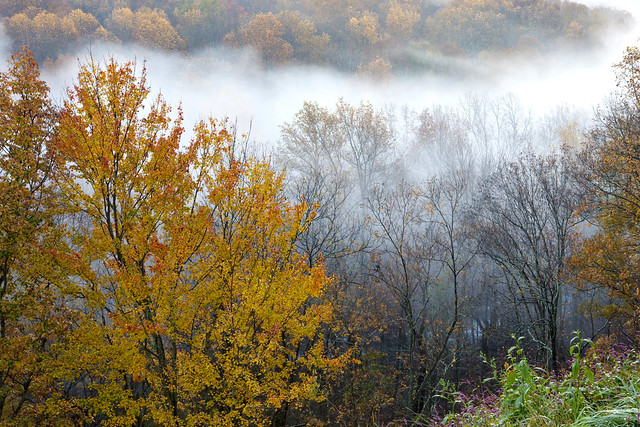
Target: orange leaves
[[609, 257], [187, 271], [32, 317]]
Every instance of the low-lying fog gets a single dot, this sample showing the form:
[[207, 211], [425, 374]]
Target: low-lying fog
[[234, 85]]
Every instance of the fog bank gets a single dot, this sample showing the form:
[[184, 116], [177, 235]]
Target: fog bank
[[222, 83]]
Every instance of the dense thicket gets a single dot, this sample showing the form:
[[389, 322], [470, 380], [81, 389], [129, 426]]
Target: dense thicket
[[148, 280], [373, 38]]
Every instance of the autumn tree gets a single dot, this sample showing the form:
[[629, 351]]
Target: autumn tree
[[46, 34], [87, 26], [377, 70], [301, 33], [196, 307], [356, 142], [311, 151], [264, 33], [365, 28], [472, 25], [322, 151], [369, 143], [201, 23], [333, 159], [33, 321], [609, 259], [147, 27], [316, 152], [401, 19]]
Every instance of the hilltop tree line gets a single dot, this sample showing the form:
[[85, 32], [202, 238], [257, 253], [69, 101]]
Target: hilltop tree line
[[368, 37], [146, 279]]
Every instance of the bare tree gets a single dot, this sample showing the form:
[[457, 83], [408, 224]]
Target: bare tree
[[312, 151], [422, 259], [369, 143], [441, 143], [404, 262], [498, 129], [526, 220]]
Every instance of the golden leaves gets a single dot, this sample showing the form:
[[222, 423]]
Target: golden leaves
[[264, 33], [402, 19], [365, 28], [190, 277], [31, 318], [148, 27]]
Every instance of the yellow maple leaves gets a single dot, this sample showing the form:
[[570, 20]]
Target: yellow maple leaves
[[33, 324], [197, 307]]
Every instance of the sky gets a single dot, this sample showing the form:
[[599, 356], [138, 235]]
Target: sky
[[213, 83]]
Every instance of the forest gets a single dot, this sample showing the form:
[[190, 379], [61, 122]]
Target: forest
[[450, 266], [368, 37]]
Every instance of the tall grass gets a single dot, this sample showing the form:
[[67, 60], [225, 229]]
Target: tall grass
[[599, 389]]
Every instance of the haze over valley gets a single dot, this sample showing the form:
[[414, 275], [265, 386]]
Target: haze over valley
[[319, 212], [239, 84]]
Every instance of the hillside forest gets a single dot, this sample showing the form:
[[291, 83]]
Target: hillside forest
[[450, 266], [368, 37]]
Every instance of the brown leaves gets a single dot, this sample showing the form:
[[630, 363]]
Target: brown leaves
[[609, 258]]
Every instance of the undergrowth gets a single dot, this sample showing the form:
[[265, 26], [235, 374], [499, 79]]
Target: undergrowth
[[600, 389]]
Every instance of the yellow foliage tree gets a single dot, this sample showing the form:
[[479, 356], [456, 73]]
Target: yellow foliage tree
[[47, 34], [402, 19], [202, 23], [33, 322], [148, 27], [473, 25], [264, 33], [197, 308], [301, 33], [378, 69], [85, 24], [365, 28]]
